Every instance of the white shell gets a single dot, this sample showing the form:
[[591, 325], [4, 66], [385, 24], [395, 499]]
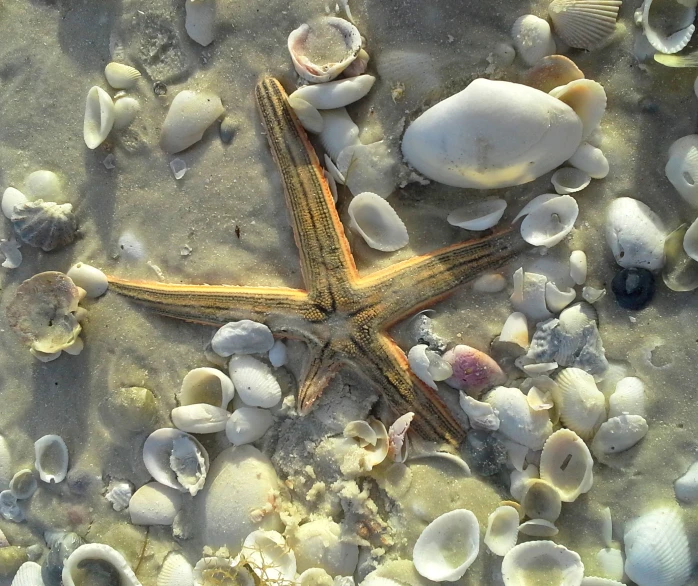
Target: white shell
[[515, 330], [610, 563], [278, 354], [532, 38], [592, 581], [335, 94], [121, 76], [247, 425], [319, 544], [591, 160], [528, 296], [566, 464], [690, 241], [51, 458], [369, 168], [372, 438], [682, 167], [578, 266], [308, 115], [436, 555], [539, 399], [520, 476], [200, 20], [490, 283], [267, 555], [154, 504], [479, 215], [338, 132], [428, 365], [254, 382], [679, 31], [686, 487], [29, 574], [99, 117], [584, 24], [544, 562], [72, 568], [125, 111], [12, 197], [517, 421], [119, 493], [176, 459], [628, 398], [446, 142], [480, 415], [200, 418], [581, 405], [377, 222], [242, 337], [502, 530], [656, 549], [587, 98], [23, 484], [42, 184], [206, 385], [548, 222], [176, 571], [619, 434], [555, 299], [338, 31], [540, 500], [89, 278], [190, 114], [568, 180], [538, 528]]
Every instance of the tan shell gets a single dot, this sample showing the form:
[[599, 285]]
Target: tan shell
[[541, 501], [584, 24], [551, 72], [587, 98], [566, 464]]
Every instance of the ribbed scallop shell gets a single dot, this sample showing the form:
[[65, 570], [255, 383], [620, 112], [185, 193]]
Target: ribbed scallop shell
[[582, 406], [29, 574], [121, 76], [584, 24], [502, 530], [254, 382], [45, 224], [628, 398], [656, 549], [175, 571], [566, 464]]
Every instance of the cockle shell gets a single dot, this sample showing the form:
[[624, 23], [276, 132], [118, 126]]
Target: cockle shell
[[242, 337], [581, 405], [254, 382], [686, 487], [45, 224], [591, 160], [587, 98], [541, 501], [532, 38], [377, 222], [176, 459], [502, 530], [190, 114], [29, 574], [628, 398], [434, 554], [247, 425], [551, 72], [319, 544], [480, 415], [675, 20], [619, 434], [568, 180], [267, 555], [566, 464], [99, 117], [105, 560], [682, 167], [206, 385], [119, 493], [335, 94], [121, 76], [175, 571], [544, 562], [51, 458], [578, 266], [592, 581], [199, 418], [480, 215], [517, 421], [428, 365], [154, 504], [584, 24], [473, 371], [308, 115]]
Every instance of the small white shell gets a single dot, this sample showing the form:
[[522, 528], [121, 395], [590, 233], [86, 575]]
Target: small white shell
[[176, 571], [557, 300], [682, 167], [91, 279], [154, 504], [544, 562], [677, 30], [29, 574], [584, 24], [43, 184], [51, 458], [338, 132], [73, 566], [23, 484], [581, 405], [587, 98], [190, 114], [176, 459], [99, 117], [502, 530], [686, 487], [635, 234], [591, 160], [307, 114], [578, 266], [568, 180], [12, 197], [377, 222], [619, 434], [199, 418], [483, 214], [490, 283], [335, 94], [247, 425], [540, 500], [480, 415], [206, 385], [610, 562], [267, 555], [121, 76], [628, 398], [538, 528], [517, 421], [278, 354], [520, 476], [119, 493], [532, 38], [547, 223], [125, 111], [242, 337], [372, 438], [427, 365], [690, 241], [254, 382], [539, 399], [434, 554], [566, 464]]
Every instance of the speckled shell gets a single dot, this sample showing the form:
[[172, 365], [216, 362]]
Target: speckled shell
[[45, 224]]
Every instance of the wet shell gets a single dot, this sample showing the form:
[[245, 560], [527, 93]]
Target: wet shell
[[676, 21], [106, 561], [206, 385], [99, 117], [619, 434], [502, 530], [542, 562], [428, 365], [548, 222], [570, 180], [591, 160], [682, 167], [176, 459], [587, 98], [436, 555], [566, 464], [121, 76], [538, 528], [582, 406], [377, 222], [541, 501], [628, 398], [29, 574], [51, 458], [254, 382], [247, 425], [335, 94], [517, 421], [532, 38], [481, 215], [201, 418], [176, 571], [551, 72], [473, 371], [45, 224], [584, 24]]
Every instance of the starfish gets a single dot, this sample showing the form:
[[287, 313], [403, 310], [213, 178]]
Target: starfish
[[343, 317]]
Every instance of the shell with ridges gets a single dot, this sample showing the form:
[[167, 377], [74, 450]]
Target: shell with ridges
[[74, 567], [541, 501], [582, 406], [628, 398], [267, 555], [29, 574], [254, 382], [682, 167], [566, 464], [121, 76], [539, 561], [584, 24], [45, 224], [176, 571], [377, 222], [502, 530], [678, 32]]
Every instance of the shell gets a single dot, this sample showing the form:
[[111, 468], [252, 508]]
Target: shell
[[23, 484], [551, 72], [359, 65], [690, 241], [176, 571], [206, 385], [682, 167], [541, 501], [217, 570], [89, 278], [570, 180], [338, 132], [490, 283], [377, 222], [337, 33], [473, 371], [656, 549], [587, 98], [200, 418], [242, 337], [532, 38], [515, 330], [45, 224], [190, 114], [578, 266], [555, 299], [519, 477], [308, 115], [541, 561], [51, 458], [680, 271], [247, 425], [480, 415], [267, 555], [528, 296], [592, 581], [372, 438], [502, 530], [566, 464], [591, 160], [619, 434], [121, 76], [319, 544], [9, 509], [547, 223], [254, 382], [42, 184], [29, 574], [480, 215], [582, 406], [119, 493], [584, 24], [335, 94], [278, 354], [538, 528], [11, 198], [678, 29], [398, 444], [125, 111], [200, 21], [371, 168], [154, 504], [99, 117], [628, 398], [539, 399], [428, 365], [686, 487], [434, 554], [517, 421], [108, 561], [176, 459]]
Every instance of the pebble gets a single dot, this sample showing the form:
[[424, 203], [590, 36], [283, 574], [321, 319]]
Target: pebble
[[91, 279], [242, 337], [633, 288], [635, 234]]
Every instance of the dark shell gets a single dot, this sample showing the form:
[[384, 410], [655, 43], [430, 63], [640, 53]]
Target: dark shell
[[45, 224], [633, 288]]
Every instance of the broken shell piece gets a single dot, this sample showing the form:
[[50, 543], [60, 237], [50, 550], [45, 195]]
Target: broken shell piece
[[529, 295], [635, 234], [45, 224], [667, 24], [550, 72], [584, 24], [362, 432], [540, 400], [398, 444], [23, 484], [206, 385], [51, 458], [682, 167], [541, 501], [200, 20], [308, 115], [591, 294], [480, 415], [517, 421], [557, 300], [254, 382], [119, 493], [121, 76], [247, 425], [578, 266], [338, 132], [200, 418], [335, 94], [532, 38], [690, 241], [570, 180], [428, 365], [628, 398], [99, 117], [587, 98], [520, 477], [581, 405], [619, 434], [515, 330], [502, 530], [154, 504], [176, 459], [480, 215], [680, 271], [373, 440], [89, 278], [591, 160], [544, 562], [12, 197], [320, 51], [190, 114], [473, 371], [100, 560], [566, 464], [267, 554], [369, 168], [377, 222], [538, 528], [434, 555], [10, 250]]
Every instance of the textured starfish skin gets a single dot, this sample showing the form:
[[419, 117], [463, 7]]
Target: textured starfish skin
[[342, 317]]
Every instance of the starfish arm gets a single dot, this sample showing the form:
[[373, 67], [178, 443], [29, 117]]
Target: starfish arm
[[408, 286], [319, 234]]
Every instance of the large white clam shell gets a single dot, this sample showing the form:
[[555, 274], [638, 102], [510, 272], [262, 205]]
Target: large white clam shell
[[581, 405], [29, 574], [200, 418], [568, 180], [517, 421], [635, 234], [502, 530], [584, 24], [628, 398], [335, 94], [254, 382], [51, 458], [566, 464], [99, 117], [377, 222], [542, 562], [619, 434], [190, 114], [176, 571], [448, 546], [682, 167], [532, 38], [75, 568], [548, 222], [492, 134], [587, 98], [656, 549], [154, 504], [176, 459], [267, 555], [121, 76], [676, 20], [206, 385], [480, 215]]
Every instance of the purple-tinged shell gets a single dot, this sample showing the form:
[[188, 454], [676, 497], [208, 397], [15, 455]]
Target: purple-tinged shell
[[473, 371]]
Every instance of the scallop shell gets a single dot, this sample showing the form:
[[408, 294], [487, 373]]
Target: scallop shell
[[51, 458], [121, 76], [591, 160], [247, 425], [619, 434], [680, 271], [517, 421], [99, 117], [628, 398], [108, 561], [154, 504], [473, 371], [427, 365], [551, 72], [656, 549], [308, 115], [434, 554], [23, 484], [544, 562], [29, 574], [547, 223], [502, 530], [341, 31], [216, 570], [570, 180], [335, 94], [541, 501], [45, 224], [480, 415], [176, 571], [582, 406], [481, 215], [566, 464], [176, 459], [587, 98], [377, 222], [201, 418], [254, 382], [206, 385], [267, 555], [538, 528], [584, 24], [682, 167], [678, 26], [532, 38], [578, 266]]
